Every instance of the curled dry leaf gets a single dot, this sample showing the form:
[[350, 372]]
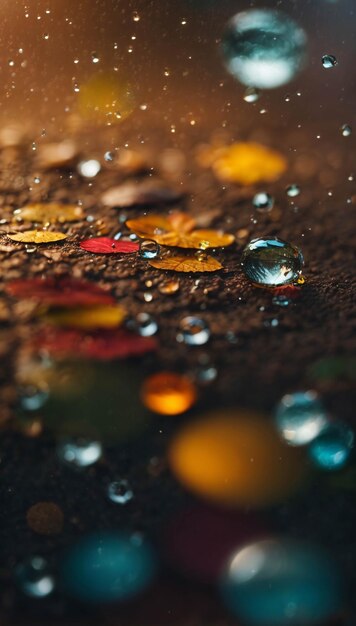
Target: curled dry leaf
[[187, 263], [176, 230], [64, 292], [106, 245], [38, 236], [104, 316], [53, 155], [103, 345], [244, 163], [131, 194], [52, 212]]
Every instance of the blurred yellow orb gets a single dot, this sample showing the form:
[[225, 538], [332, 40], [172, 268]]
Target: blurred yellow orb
[[106, 97], [236, 458], [168, 393]]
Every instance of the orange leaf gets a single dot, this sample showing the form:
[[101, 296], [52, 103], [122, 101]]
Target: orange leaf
[[52, 212], [187, 263], [245, 163], [38, 236], [177, 230]]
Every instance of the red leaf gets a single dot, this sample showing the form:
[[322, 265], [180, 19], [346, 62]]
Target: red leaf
[[105, 245], [63, 292], [103, 345], [290, 291]]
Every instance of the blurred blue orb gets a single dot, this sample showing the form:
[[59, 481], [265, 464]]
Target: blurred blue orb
[[332, 448], [300, 417], [108, 567], [263, 48], [281, 583]]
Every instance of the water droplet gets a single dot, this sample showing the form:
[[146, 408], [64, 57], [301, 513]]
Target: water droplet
[[168, 393], [32, 398], [132, 237], [201, 256], [331, 449], [169, 287], [46, 36], [328, 61], [293, 190], [271, 323], [80, 452], [263, 202], [204, 244], [251, 95], [136, 16], [143, 324], [346, 130], [147, 296], [193, 331], [205, 374], [120, 492], [89, 169], [95, 57], [263, 48], [37, 180], [11, 63], [300, 417], [109, 156], [76, 87], [34, 577], [280, 300], [149, 249], [271, 262]]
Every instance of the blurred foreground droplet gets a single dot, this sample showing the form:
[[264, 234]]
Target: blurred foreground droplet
[[332, 448], [168, 393], [300, 417]]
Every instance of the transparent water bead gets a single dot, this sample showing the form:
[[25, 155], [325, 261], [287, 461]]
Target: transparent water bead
[[346, 130], [149, 249], [34, 577], [329, 61], [332, 448], [119, 492], [80, 452], [263, 48], [143, 324], [300, 417], [263, 202], [193, 331], [293, 191], [271, 262], [251, 95]]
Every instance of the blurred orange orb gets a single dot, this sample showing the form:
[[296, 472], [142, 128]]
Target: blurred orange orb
[[236, 458], [168, 393], [106, 97]]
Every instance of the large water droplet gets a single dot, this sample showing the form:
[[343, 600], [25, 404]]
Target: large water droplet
[[271, 262], [329, 61], [332, 448], [300, 417], [119, 492], [149, 249], [80, 452], [263, 48], [193, 331], [34, 577]]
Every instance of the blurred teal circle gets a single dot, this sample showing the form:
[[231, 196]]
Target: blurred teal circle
[[332, 448]]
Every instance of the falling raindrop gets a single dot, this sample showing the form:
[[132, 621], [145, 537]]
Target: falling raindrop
[[293, 190], [300, 417], [332, 448], [89, 169], [119, 492], [149, 249], [143, 324], [251, 95], [329, 61], [271, 262], [79, 452], [193, 331], [263, 202], [34, 577], [263, 48]]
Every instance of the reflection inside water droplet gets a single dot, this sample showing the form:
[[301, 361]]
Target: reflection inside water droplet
[[119, 492]]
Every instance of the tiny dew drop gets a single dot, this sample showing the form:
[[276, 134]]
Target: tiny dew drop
[[263, 202], [136, 16], [89, 169], [329, 61], [109, 156], [143, 324], [251, 95], [193, 331], [346, 130], [149, 249], [79, 452], [34, 577], [169, 287], [95, 57], [293, 190], [119, 492], [201, 256]]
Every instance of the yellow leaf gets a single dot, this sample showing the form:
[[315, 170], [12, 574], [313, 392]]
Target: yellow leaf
[[93, 317], [52, 212], [246, 163], [177, 230], [187, 263], [38, 236]]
